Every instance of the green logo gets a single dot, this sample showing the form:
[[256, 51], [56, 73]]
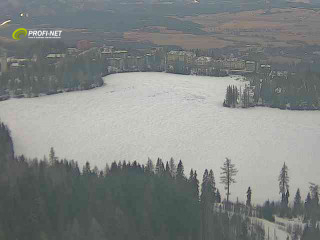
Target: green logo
[[19, 33]]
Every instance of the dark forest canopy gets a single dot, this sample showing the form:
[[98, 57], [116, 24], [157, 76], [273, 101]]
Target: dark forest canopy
[[53, 198]]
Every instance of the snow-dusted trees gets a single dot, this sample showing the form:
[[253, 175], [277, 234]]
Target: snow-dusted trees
[[312, 203], [236, 98], [284, 183], [314, 190], [283, 179], [297, 204], [228, 173], [245, 97], [284, 189], [232, 96]]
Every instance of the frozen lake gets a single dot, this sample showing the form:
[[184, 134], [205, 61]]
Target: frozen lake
[[140, 115]]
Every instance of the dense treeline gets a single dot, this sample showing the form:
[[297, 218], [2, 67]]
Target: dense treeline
[[300, 91], [232, 95], [296, 91], [6, 145], [46, 76], [308, 210], [53, 199], [238, 98]]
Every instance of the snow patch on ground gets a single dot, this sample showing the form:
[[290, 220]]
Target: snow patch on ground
[[272, 230]]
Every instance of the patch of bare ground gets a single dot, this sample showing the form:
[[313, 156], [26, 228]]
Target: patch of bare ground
[[283, 60], [187, 41], [279, 27]]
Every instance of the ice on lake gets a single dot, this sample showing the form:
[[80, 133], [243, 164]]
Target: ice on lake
[[140, 115]]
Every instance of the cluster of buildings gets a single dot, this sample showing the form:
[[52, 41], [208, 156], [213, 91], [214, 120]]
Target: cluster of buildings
[[185, 62], [204, 65], [154, 59], [139, 60]]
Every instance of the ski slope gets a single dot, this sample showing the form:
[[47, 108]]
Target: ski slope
[[140, 115]]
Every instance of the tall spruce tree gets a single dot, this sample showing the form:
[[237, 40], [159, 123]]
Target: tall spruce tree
[[212, 186], [52, 156], [283, 182], [160, 168], [297, 204], [207, 199], [314, 190], [193, 180], [228, 176], [218, 196], [315, 209], [249, 193], [180, 171], [150, 166], [173, 168], [308, 206], [167, 170]]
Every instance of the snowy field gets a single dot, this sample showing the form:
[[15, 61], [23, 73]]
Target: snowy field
[[140, 115], [272, 230]]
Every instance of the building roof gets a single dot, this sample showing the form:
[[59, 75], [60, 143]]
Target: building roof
[[118, 59], [207, 59], [182, 53], [121, 51], [13, 59], [106, 52], [15, 65], [53, 55]]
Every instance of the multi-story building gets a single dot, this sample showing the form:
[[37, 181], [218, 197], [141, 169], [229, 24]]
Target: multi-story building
[[218, 64], [135, 63], [116, 64], [180, 61], [180, 56], [265, 69], [54, 58], [283, 74], [238, 65], [202, 66], [234, 64], [131, 63], [250, 66], [72, 51], [120, 54], [16, 63], [150, 59]]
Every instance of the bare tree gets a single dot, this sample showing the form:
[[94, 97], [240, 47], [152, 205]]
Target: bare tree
[[227, 176]]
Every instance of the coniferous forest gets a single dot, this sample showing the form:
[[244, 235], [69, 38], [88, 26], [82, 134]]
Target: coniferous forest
[[53, 198], [293, 92], [43, 75]]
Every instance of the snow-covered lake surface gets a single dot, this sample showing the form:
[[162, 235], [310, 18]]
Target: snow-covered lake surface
[[140, 115]]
